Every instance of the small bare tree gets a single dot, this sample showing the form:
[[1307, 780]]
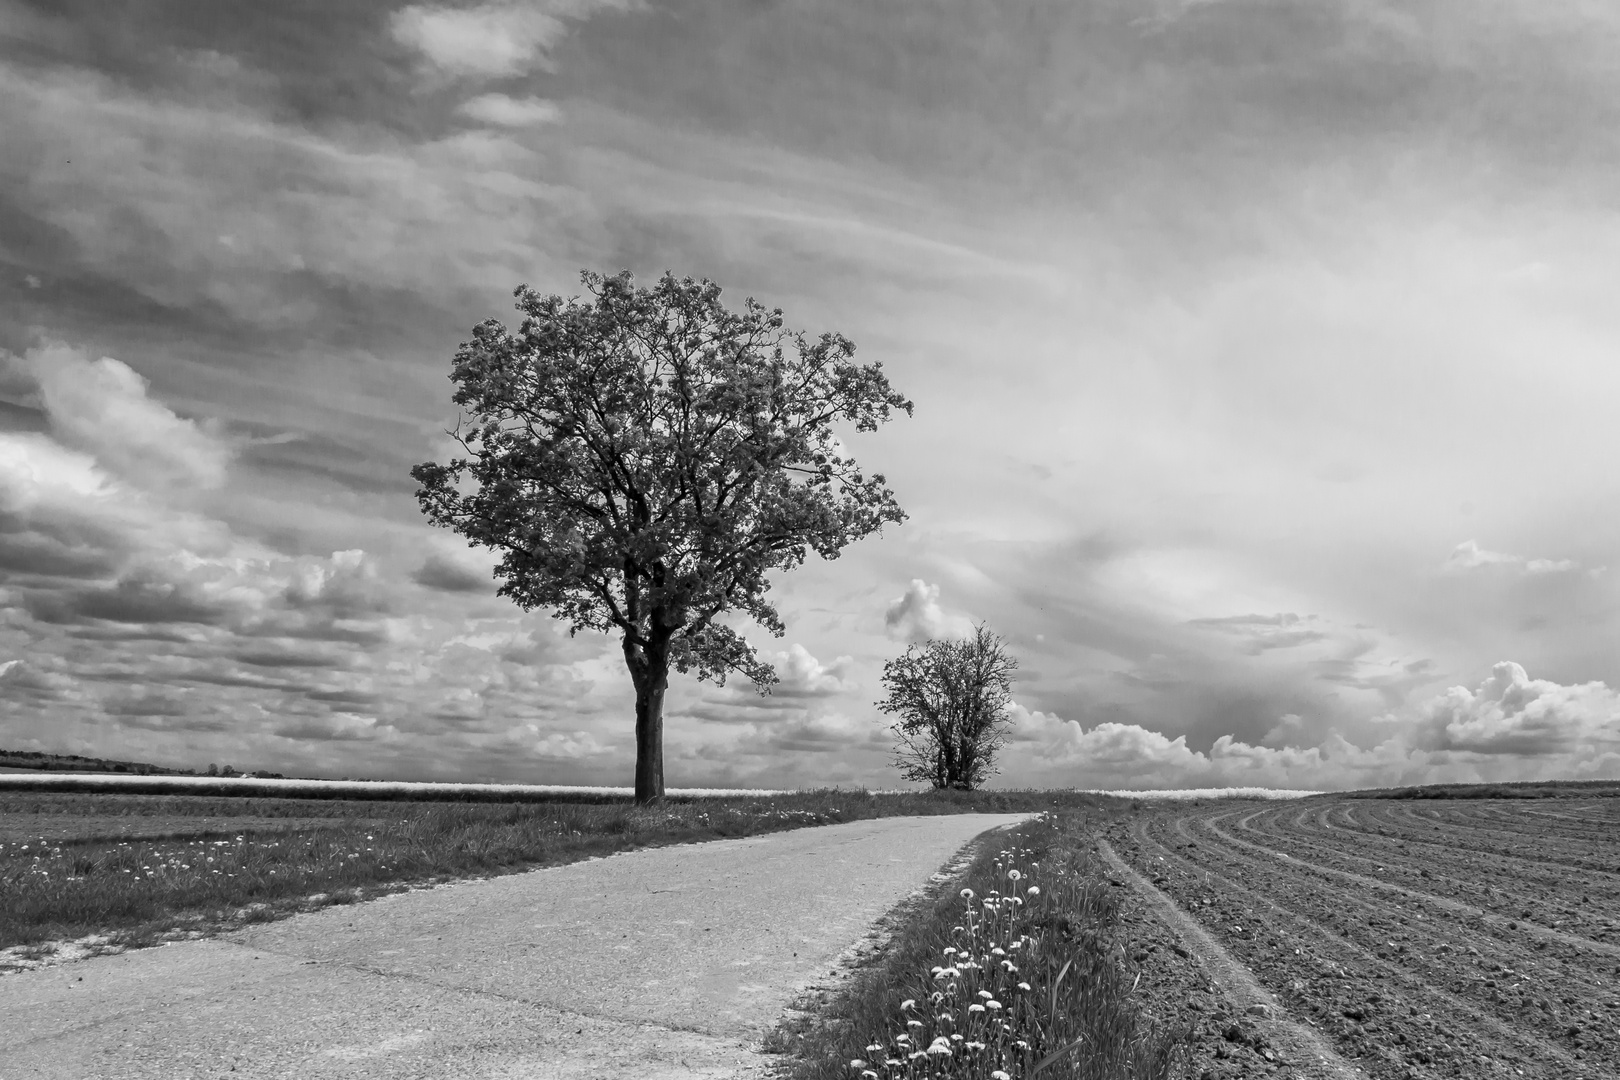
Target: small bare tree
[[950, 702]]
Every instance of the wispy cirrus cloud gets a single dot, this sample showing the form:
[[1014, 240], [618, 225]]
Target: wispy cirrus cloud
[[1468, 555]]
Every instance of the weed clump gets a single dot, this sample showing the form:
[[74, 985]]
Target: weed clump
[[1014, 975]]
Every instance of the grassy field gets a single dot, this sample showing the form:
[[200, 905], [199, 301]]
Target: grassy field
[[135, 869], [1016, 968]]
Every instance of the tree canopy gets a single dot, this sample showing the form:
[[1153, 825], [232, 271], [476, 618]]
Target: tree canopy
[[950, 701], [645, 458]]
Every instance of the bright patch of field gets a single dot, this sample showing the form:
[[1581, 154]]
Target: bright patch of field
[[1187, 794]]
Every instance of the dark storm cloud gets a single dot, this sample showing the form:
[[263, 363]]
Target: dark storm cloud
[[154, 704], [326, 729], [28, 553], [178, 723], [360, 699], [290, 659], [142, 601], [441, 573]]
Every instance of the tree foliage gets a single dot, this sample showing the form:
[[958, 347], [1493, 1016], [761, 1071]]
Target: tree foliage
[[644, 458], [950, 701]]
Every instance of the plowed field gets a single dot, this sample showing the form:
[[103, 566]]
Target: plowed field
[[1423, 938]]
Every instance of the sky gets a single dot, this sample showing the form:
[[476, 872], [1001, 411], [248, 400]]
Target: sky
[[1263, 352]]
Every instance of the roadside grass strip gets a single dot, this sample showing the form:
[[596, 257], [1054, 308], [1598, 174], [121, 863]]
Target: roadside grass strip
[[1014, 973], [73, 875]]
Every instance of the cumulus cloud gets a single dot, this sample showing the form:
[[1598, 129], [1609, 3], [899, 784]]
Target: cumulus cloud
[[491, 40], [1513, 714], [102, 407], [1511, 727], [1468, 555], [803, 676], [504, 111], [916, 615]]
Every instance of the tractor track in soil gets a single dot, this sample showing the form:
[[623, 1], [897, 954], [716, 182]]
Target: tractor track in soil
[[1414, 958]]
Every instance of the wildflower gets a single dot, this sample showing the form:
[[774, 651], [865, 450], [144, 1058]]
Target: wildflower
[[914, 1023], [857, 1063], [992, 1005], [915, 1054], [1023, 986], [967, 894], [909, 1003], [986, 994], [940, 1046], [868, 1072], [1000, 1075], [1010, 967], [998, 951], [875, 1048], [1034, 890], [975, 1008], [902, 1038], [1014, 875], [974, 1045]]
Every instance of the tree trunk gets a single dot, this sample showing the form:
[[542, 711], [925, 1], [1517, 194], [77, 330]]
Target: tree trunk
[[649, 671]]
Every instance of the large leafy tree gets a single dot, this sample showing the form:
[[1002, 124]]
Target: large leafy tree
[[644, 458], [949, 699]]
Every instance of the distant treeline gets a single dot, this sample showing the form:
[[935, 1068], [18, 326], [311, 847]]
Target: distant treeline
[[43, 762], [1527, 789]]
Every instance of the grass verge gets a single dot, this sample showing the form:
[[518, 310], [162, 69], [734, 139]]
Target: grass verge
[[1013, 970], [70, 868]]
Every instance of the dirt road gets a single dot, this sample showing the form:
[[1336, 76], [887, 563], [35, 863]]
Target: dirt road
[[663, 964]]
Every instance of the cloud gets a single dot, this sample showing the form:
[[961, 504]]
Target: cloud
[[803, 676], [1513, 714], [492, 40], [1262, 633], [449, 574], [1468, 555], [102, 407], [334, 727], [916, 615], [504, 111]]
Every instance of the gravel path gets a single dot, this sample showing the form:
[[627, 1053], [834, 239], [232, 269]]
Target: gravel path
[[664, 964]]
